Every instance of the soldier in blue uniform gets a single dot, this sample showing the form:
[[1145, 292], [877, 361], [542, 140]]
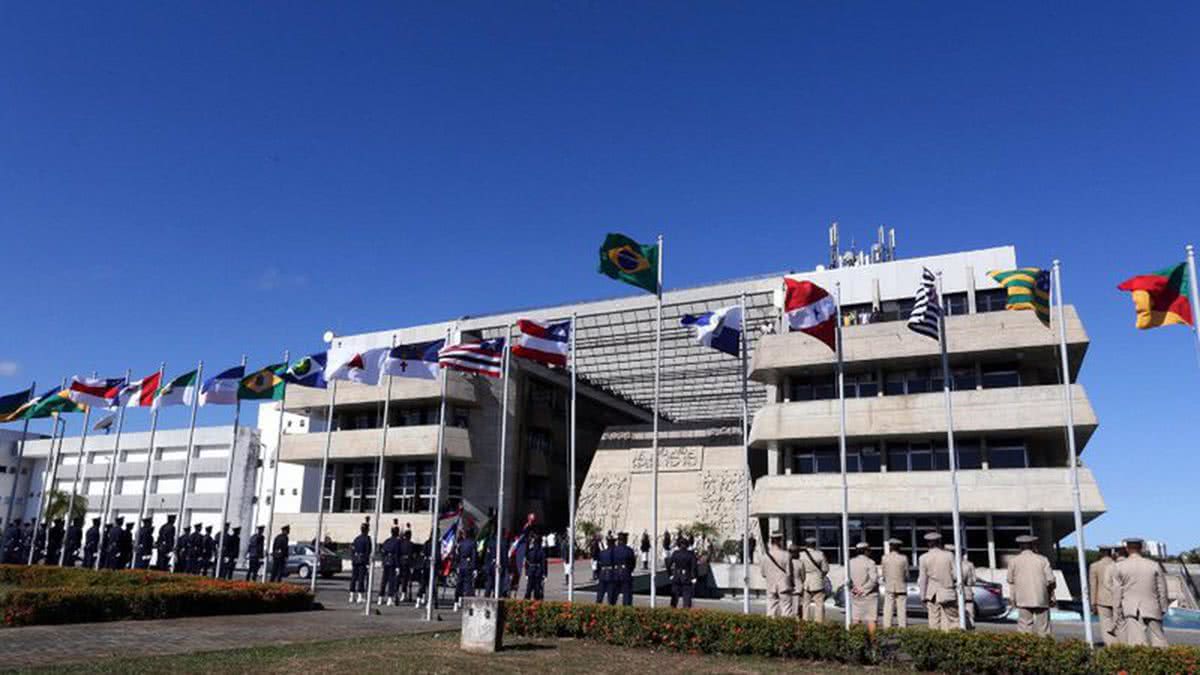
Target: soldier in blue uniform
[[683, 568], [145, 544], [624, 560], [279, 554], [105, 550], [230, 550], [208, 550], [183, 555], [467, 558], [38, 543], [603, 571], [254, 553], [391, 561], [91, 543], [54, 541], [72, 541], [360, 557], [404, 565], [535, 567], [123, 555], [195, 549], [11, 547], [166, 540]]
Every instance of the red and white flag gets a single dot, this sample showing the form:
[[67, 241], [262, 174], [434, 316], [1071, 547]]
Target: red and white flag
[[810, 309], [94, 392], [481, 358], [542, 342], [139, 393]]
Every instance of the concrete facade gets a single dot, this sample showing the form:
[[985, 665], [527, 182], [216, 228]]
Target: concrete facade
[[16, 473]]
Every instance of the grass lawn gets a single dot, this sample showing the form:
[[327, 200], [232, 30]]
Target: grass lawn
[[439, 653]]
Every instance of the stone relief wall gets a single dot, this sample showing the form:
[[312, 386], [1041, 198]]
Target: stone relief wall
[[687, 458], [722, 497], [604, 500]]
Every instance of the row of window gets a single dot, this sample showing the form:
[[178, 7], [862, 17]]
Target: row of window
[[412, 486], [955, 304], [900, 382], [410, 416], [912, 456], [911, 531]]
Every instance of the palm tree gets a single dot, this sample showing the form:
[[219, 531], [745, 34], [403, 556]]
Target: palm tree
[[57, 508]]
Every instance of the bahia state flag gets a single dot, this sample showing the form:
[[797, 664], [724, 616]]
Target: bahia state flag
[[13, 404], [307, 372], [624, 259], [179, 391], [264, 384], [720, 329], [418, 360], [223, 388]]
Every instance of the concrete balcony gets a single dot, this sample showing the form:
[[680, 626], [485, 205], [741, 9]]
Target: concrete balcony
[[1015, 409], [363, 444], [892, 342], [459, 389], [998, 491]]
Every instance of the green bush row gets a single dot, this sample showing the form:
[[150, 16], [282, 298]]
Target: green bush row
[[717, 632], [48, 595]]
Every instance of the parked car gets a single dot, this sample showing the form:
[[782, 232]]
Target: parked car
[[301, 560], [989, 598]]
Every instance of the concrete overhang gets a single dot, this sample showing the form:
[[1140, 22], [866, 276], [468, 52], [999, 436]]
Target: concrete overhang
[[996, 491], [1006, 333], [363, 444], [459, 389], [1013, 409]]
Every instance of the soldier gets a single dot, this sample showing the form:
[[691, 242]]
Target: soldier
[[145, 544], [254, 552], [935, 578], [123, 555], [360, 556], [624, 560], [12, 543], [1100, 594], [183, 555], [796, 597], [54, 541], [166, 540], [816, 571], [895, 585], [230, 551], [391, 560], [468, 561], [863, 586], [968, 589], [195, 549], [72, 541], [404, 565], [208, 552], [644, 545], [603, 567], [91, 543], [279, 554], [1139, 589], [535, 569], [779, 573], [38, 543], [105, 550], [1031, 585], [682, 568]]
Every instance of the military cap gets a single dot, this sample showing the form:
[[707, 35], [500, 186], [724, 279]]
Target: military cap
[[1136, 541], [862, 546], [1027, 539], [933, 536], [895, 542], [285, 528], [776, 534], [811, 541], [261, 528]]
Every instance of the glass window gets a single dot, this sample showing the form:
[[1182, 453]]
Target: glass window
[[1007, 454], [920, 457], [813, 389], [917, 382], [992, 300], [459, 417], [358, 488], [955, 304], [1001, 375], [458, 470], [861, 385], [897, 456], [893, 384], [963, 378], [327, 501]]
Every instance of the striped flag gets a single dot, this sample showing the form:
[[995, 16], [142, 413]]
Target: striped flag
[[927, 311], [1028, 288], [811, 309], [546, 343], [482, 358], [94, 392], [139, 393]]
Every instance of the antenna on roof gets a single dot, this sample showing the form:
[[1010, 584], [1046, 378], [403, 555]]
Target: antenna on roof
[[892, 244], [835, 256]]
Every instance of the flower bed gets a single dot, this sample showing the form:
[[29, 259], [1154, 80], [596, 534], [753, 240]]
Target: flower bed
[[716, 632], [50, 595]]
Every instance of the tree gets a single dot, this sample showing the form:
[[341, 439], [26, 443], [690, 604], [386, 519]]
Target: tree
[[57, 508], [587, 529]]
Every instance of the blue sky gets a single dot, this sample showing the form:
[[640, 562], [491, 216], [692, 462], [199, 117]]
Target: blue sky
[[182, 181]]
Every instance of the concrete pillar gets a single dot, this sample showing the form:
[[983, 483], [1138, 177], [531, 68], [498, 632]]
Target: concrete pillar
[[984, 462], [991, 538], [887, 533], [788, 460], [786, 390], [773, 458], [970, 289]]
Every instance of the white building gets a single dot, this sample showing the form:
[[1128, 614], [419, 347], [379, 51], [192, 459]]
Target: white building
[[14, 474]]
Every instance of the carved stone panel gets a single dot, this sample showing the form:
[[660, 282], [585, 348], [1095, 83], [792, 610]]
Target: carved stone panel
[[677, 458], [604, 500], [722, 495]]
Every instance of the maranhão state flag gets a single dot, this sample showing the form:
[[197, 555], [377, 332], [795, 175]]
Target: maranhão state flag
[[546, 343], [139, 393], [94, 392], [1162, 298], [810, 309]]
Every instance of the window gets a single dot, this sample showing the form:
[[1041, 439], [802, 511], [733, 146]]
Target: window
[[458, 471], [412, 487], [823, 459], [962, 379], [1000, 375], [861, 385], [358, 488], [862, 459], [1006, 529], [955, 304], [538, 440], [828, 532], [459, 417], [896, 310], [992, 300], [1007, 454], [327, 501], [813, 388]]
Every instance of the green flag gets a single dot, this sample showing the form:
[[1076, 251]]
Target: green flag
[[626, 260], [263, 384], [52, 403]]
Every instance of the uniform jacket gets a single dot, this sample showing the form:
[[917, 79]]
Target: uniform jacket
[[968, 571], [815, 568], [895, 572], [405, 551], [935, 576], [864, 577], [682, 566], [778, 570], [535, 561], [254, 548], [1098, 578], [623, 562], [1030, 580], [166, 536], [391, 552], [145, 540], [1139, 588], [360, 550], [279, 545], [467, 554]]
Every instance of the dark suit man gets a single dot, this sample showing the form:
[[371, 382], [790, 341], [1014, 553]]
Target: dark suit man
[[254, 553], [360, 557], [279, 554], [145, 545], [624, 560], [91, 544], [54, 541], [166, 540], [72, 541]]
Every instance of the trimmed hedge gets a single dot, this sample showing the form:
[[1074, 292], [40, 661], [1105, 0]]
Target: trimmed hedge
[[717, 632], [52, 595]]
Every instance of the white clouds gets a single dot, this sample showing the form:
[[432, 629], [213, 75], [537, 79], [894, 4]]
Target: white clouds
[[273, 279], [9, 368]]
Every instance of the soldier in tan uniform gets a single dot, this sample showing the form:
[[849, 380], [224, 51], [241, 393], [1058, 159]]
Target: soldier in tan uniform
[[816, 570], [797, 579], [864, 587], [935, 578], [1139, 590], [777, 570], [895, 585], [1031, 586], [968, 588], [1100, 594]]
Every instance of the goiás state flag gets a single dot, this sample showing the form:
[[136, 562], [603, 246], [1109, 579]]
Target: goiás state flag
[[308, 371], [363, 366], [139, 393], [546, 343], [810, 309], [1162, 298], [481, 358], [720, 329], [222, 389], [419, 360], [94, 392], [179, 391]]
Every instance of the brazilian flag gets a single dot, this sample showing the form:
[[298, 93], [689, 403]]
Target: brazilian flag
[[626, 260], [264, 384], [51, 403]]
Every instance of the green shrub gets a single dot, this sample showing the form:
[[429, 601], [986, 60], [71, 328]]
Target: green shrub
[[51, 595], [718, 632]]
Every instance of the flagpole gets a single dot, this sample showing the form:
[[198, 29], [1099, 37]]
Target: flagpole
[[324, 469], [745, 349], [51, 474], [434, 551], [275, 468], [237, 415], [387, 402], [654, 440], [841, 387], [150, 452], [1194, 292], [954, 513], [12, 496], [501, 556], [571, 480], [87, 414], [112, 461], [1081, 559], [187, 462]]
